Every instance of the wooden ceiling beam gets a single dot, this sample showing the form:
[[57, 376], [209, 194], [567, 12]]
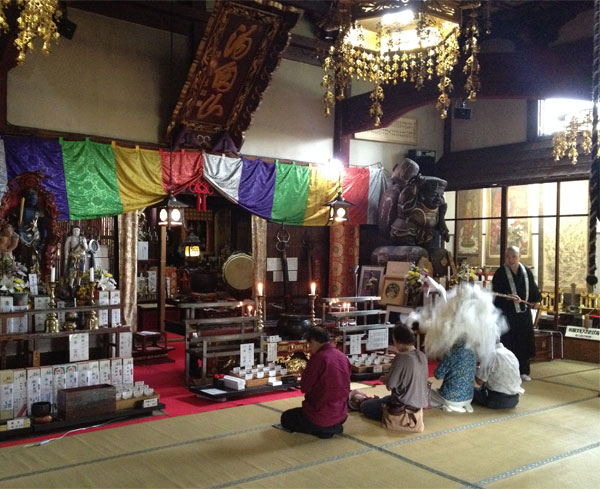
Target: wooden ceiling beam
[[168, 16], [305, 50]]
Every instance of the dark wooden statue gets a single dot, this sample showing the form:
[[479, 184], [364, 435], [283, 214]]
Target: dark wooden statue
[[411, 215], [30, 208]]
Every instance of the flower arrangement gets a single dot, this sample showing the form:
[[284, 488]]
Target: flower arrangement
[[15, 281], [105, 281], [413, 284], [466, 273], [102, 281]]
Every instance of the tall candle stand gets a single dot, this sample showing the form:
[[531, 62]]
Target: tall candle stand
[[313, 319], [260, 309], [51, 324], [91, 321]]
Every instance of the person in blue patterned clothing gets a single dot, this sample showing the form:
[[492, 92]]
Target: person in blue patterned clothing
[[457, 370]]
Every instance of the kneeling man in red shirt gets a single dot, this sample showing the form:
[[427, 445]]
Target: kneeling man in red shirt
[[326, 385]]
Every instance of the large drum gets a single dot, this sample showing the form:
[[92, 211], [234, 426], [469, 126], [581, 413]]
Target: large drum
[[237, 271]]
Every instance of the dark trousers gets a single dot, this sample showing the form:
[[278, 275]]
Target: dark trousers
[[494, 400], [524, 365], [294, 420], [373, 408]]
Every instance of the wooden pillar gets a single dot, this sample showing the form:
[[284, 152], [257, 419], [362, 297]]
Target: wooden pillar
[[532, 119], [341, 143], [343, 259], [503, 223], [448, 134], [557, 259], [3, 100], [162, 293], [259, 250]]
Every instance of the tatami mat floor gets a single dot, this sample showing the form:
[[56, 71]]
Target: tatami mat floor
[[551, 440]]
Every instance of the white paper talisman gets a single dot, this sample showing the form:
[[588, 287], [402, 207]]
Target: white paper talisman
[[79, 347], [355, 344], [378, 339], [247, 354], [271, 352]]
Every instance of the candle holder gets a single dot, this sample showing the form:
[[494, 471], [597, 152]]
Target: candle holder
[[260, 322], [71, 319], [51, 324], [91, 321], [313, 319]]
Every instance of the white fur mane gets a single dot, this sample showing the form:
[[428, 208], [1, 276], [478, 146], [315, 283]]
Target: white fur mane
[[468, 315]]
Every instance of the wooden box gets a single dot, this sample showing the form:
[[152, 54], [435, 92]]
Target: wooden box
[[85, 402]]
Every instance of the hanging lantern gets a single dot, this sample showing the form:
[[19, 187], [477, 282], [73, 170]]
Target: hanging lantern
[[338, 209], [171, 213]]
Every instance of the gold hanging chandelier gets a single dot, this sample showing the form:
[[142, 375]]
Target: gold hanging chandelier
[[575, 139], [387, 41], [37, 18]]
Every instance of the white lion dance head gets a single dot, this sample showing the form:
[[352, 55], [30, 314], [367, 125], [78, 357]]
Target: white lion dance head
[[468, 316]]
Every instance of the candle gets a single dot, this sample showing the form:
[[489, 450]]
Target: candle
[[448, 273], [260, 288], [313, 288], [75, 301], [52, 274], [92, 274], [249, 310]]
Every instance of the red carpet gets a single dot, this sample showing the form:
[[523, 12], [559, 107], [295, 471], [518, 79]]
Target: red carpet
[[167, 380]]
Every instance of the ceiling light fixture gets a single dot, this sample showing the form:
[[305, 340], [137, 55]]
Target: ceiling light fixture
[[387, 41], [36, 19], [578, 132]]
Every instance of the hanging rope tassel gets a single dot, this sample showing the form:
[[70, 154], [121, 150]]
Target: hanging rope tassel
[[201, 188], [591, 279]]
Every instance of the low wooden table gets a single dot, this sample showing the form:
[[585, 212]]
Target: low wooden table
[[147, 344]]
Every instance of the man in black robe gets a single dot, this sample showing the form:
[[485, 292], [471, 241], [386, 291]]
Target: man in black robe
[[516, 280]]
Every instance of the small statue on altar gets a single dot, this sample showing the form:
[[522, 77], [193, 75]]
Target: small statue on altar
[[31, 242], [76, 248], [9, 240]]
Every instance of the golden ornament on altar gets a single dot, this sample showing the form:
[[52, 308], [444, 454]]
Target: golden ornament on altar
[[296, 364]]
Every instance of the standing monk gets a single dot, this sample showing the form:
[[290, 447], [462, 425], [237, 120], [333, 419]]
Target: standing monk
[[516, 280]]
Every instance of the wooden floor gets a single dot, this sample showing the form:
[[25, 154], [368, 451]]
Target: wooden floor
[[551, 440]]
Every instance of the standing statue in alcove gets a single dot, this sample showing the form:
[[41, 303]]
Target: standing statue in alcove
[[411, 215], [76, 247]]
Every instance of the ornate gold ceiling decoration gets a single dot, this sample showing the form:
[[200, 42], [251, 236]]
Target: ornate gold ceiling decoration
[[576, 138], [232, 67], [36, 19], [383, 42]]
